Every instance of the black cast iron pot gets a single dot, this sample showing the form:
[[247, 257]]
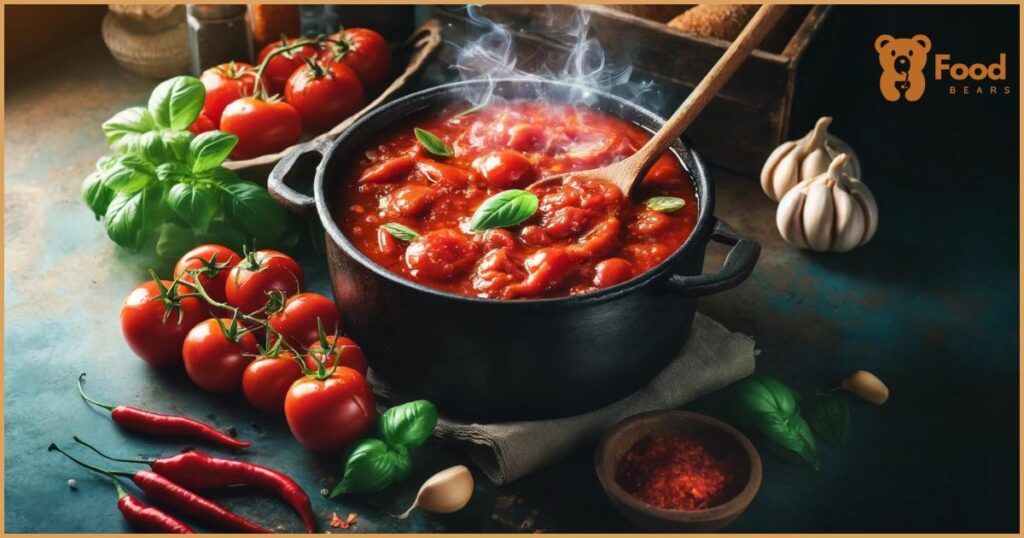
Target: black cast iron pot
[[490, 359]]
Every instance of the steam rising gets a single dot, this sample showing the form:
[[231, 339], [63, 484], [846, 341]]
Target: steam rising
[[492, 54]]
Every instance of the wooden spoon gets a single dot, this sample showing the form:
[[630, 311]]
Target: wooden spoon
[[626, 173]]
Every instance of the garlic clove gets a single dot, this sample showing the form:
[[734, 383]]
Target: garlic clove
[[867, 386], [849, 220], [862, 194], [814, 164], [446, 492], [786, 174], [817, 216], [789, 218], [768, 171]]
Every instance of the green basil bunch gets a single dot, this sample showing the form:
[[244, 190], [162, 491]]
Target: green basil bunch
[[374, 464], [165, 189]]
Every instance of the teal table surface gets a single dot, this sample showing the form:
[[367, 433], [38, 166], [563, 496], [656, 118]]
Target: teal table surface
[[930, 305]]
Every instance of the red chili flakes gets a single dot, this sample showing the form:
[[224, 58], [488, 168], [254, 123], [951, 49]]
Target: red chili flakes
[[674, 473], [337, 522]]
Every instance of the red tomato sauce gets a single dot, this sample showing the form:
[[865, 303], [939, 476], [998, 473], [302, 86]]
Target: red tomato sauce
[[584, 235]]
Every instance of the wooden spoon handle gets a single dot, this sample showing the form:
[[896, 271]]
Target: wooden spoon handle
[[758, 27]]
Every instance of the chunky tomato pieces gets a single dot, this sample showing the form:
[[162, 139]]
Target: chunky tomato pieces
[[584, 236]]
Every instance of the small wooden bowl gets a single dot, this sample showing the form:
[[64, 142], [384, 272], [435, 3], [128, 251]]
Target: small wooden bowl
[[715, 434]]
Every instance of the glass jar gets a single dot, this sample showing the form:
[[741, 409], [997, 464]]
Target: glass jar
[[218, 34]]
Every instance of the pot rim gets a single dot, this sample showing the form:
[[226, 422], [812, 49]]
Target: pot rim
[[699, 175]]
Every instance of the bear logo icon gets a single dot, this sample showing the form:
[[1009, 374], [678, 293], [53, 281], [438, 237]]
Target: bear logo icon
[[903, 62]]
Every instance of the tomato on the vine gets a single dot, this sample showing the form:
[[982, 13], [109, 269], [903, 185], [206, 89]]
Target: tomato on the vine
[[216, 353], [324, 93], [213, 262], [155, 320], [297, 319], [202, 124], [259, 273], [267, 379], [328, 412], [262, 126], [343, 352], [365, 52], [224, 84], [282, 65]]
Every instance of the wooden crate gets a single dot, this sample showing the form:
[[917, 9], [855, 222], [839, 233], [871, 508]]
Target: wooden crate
[[739, 128]]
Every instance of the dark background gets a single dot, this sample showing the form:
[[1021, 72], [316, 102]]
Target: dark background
[[931, 305]]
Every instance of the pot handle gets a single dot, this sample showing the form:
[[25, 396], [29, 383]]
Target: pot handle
[[739, 263], [291, 199]]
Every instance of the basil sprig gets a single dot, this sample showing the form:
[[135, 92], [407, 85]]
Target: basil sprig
[[433, 143], [165, 188], [665, 204], [507, 208], [764, 405], [400, 231], [374, 464]]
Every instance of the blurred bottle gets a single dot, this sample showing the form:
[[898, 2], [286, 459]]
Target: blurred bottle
[[218, 34], [271, 21]]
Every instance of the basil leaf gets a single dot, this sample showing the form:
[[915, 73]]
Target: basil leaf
[[125, 219], [223, 232], [173, 240], [176, 102], [433, 144], [371, 466], [125, 127], [504, 209], [209, 149], [96, 196], [409, 424], [829, 417], [179, 142], [472, 109], [665, 204], [253, 209], [765, 405], [128, 175], [194, 204], [173, 172], [400, 231]]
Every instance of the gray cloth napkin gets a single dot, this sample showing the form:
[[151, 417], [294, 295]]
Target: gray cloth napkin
[[712, 358]]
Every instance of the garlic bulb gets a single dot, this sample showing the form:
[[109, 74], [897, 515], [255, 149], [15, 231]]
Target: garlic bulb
[[830, 212], [800, 160], [445, 492]]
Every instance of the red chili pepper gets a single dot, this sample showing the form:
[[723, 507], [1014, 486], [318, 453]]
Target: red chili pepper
[[166, 493], [145, 517], [139, 420], [194, 469]]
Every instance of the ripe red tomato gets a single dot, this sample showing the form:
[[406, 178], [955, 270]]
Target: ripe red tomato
[[280, 67], [214, 262], [346, 352], [367, 54], [202, 124], [214, 360], [324, 94], [328, 415], [262, 127], [153, 338], [507, 169], [266, 381], [259, 273], [224, 84], [296, 321]]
